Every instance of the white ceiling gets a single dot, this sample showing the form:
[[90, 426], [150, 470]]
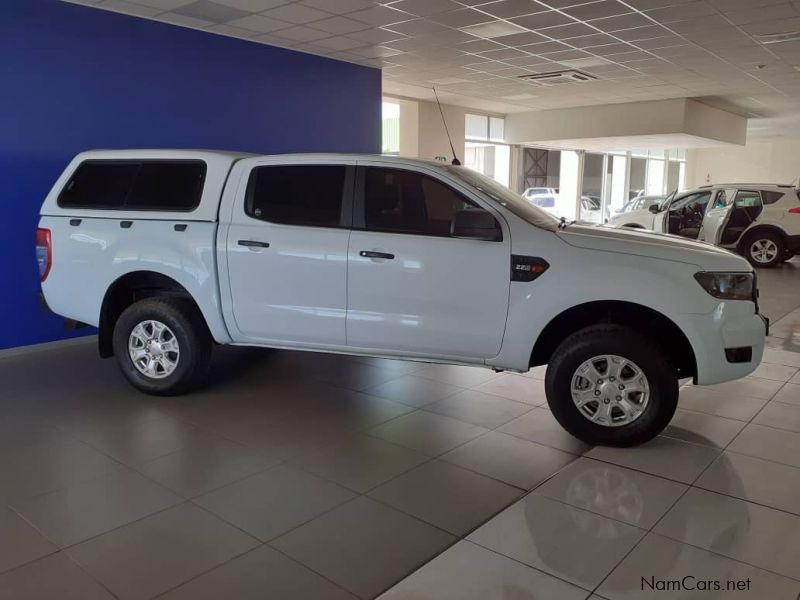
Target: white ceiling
[[473, 51]]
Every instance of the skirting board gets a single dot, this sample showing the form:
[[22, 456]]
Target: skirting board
[[57, 345]]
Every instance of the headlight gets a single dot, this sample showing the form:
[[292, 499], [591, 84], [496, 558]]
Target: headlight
[[728, 286]]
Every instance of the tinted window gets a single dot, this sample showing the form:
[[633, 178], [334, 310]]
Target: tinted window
[[747, 199], [770, 197], [407, 202], [135, 185], [297, 194]]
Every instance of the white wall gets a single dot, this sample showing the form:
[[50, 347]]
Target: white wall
[[432, 136], [757, 162]]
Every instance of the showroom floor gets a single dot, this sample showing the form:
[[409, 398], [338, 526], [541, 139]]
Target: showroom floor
[[298, 475]]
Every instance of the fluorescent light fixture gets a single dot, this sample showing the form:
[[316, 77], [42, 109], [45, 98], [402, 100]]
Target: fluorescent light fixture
[[777, 38]]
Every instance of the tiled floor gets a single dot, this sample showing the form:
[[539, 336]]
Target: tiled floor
[[299, 475]]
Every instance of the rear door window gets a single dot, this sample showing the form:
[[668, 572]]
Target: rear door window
[[309, 195], [165, 185]]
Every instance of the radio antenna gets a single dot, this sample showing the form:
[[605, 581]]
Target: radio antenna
[[447, 131]]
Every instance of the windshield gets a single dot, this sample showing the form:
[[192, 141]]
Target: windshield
[[506, 198]]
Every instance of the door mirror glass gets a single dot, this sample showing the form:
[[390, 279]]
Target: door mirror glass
[[654, 208], [476, 224]]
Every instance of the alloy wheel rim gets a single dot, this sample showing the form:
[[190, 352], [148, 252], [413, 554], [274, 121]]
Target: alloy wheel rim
[[610, 390], [763, 251], [153, 349]]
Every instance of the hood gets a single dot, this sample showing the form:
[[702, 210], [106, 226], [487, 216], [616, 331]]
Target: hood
[[653, 245]]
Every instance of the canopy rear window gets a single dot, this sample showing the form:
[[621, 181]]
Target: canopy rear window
[[166, 185]]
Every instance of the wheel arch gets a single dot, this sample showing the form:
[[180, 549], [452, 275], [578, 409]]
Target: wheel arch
[[638, 317], [760, 229], [130, 288]]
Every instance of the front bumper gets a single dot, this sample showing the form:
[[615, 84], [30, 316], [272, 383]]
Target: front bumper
[[732, 325]]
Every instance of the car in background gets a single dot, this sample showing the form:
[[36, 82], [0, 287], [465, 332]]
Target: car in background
[[759, 221], [639, 203], [590, 209], [543, 197]]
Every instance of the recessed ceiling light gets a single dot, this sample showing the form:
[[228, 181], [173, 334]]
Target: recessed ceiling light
[[777, 38]]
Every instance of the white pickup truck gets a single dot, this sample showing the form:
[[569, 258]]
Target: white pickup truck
[[170, 251]]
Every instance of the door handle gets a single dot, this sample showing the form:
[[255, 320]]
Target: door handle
[[372, 254], [253, 244]]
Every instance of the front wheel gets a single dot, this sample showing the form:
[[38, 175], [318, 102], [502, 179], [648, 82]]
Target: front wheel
[[162, 345], [764, 249], [608, 385]]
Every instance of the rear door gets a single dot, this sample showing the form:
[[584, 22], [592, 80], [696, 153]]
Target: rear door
[[719, 209], [414, 288], [286, 250]]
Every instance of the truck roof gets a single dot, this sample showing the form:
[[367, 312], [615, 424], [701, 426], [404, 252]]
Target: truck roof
[[218, 166]]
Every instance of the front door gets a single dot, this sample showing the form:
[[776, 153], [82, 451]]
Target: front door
[[287, 253], [413, 286]]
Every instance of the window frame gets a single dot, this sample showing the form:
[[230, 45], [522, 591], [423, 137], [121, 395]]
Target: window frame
[[359, 204], [345, 210], [124, 207]]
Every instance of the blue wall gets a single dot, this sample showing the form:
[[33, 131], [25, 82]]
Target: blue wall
[[76, 78]]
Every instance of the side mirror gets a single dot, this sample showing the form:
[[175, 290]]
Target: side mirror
[[476, 225], [653, 208]]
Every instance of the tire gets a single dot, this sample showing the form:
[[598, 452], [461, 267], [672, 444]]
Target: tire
[[176, 371], [582, 347], [772, 245], [788, 254]]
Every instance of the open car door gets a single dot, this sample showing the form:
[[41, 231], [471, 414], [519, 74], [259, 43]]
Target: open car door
[[717, 215]]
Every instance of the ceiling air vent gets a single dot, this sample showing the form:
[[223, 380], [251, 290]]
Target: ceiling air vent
[[558, 77]]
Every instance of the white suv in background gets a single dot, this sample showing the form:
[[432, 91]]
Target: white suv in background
[[759, 221]]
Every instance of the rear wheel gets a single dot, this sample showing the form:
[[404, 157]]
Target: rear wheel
[[608, 385], [162, 345], [764, 249]]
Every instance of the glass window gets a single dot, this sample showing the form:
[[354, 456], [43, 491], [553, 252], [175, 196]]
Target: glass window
[[297, 194], [476, 126], [770, 197], [407, 202], [391, 128], [497, 127], [135, 185], [747, 199]]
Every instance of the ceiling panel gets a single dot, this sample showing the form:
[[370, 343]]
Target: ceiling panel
[[474, 50]]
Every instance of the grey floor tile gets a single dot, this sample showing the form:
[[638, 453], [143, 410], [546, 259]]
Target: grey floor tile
[[516, 387], [390, 364], [465, 377], [414, 391], [750, 387], [663, 562], [662, 456], [427, 432], [700, 428], [780, 415], [570, 543], [796, 378], [781, 357], [84, 510], [513, 460], [49, 466], [754, 534], [362, 463], [452, 498], [258, 575], [539, 425], [467, 571], [364, 546], [54, 577], [479, 408], [778, 445], [19, 541], [271, 503], [205, 465], [613, 491], [139, 442], [754, 479], [702, 399], [789, 394], [352, 375], [774, 372], [155, 554]]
